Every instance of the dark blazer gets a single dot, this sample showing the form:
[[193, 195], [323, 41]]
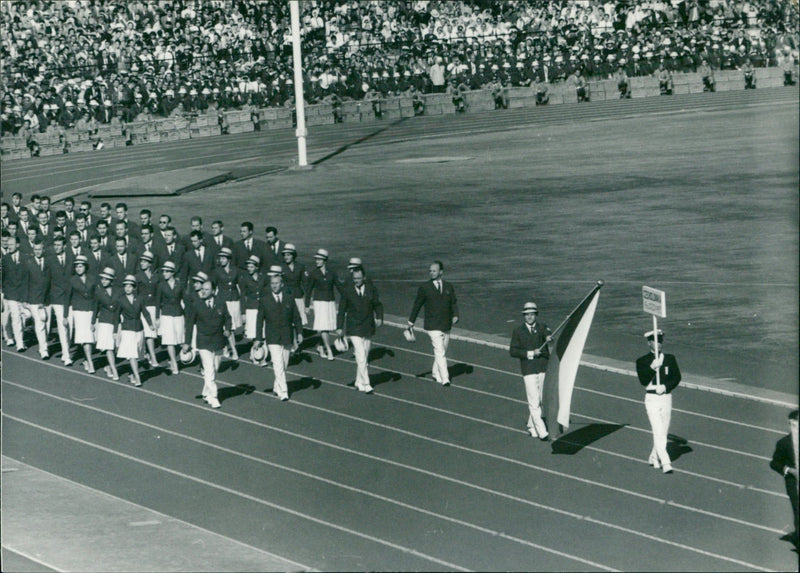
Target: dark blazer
[[322, 287], [226, 242], [208, 241], [227, 283], [275, 258], [281, 319], [95, 266], [15, 278], [168, 299], [195, 265], [107, 304], [523, 340], [108, 246], [129, 268], [211, 324], [440, 309], [131, 312], [59, 279], [251, 289], [296, 279], [38, 281], [146, 287], [669, 372], [81, 293], [241, 254], [178, 257], [358, 313]]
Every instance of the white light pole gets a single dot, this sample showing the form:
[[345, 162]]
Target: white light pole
[[302, 160]]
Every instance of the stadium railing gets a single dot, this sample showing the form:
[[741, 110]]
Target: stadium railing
[[199, 125]]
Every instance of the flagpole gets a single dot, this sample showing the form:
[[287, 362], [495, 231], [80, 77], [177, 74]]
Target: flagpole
[[597, 286], [301, 133]]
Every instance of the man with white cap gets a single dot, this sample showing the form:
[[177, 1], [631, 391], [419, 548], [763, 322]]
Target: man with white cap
[[359, 309], [279, 325], [295, 277], [529, 343], [659, 374], [441, 313], [213, 324]]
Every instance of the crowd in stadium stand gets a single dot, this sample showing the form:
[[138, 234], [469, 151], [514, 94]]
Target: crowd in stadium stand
[[77, 63]]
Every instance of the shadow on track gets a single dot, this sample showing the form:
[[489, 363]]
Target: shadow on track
[[570, 444]]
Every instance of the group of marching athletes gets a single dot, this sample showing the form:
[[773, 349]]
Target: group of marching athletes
[[119, 294]]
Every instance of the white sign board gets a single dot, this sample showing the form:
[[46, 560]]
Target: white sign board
[[654, 301]]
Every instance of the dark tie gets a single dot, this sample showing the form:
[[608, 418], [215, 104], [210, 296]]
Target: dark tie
[[209, 303], [439, 287], [40, 262], [278, 298], [61, 260], [199, 255], [248, 245], [171, 249]]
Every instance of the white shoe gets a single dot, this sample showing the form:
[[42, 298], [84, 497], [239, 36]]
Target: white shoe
[[214, 403], [653, 461], [667, 468], [446, 383]]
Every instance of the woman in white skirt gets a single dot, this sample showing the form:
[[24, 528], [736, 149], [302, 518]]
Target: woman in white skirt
[[134, 316], [106, 297], [252, 286], [169, 312], [321, 285], [226, 277], [81, 305], [146, 282]]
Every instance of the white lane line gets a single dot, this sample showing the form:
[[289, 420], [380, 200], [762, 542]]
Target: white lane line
[[354, 489], [248, 497], [596, 366], [519, 431], [436, 441], [377, 459], [170, 518], [32, 558], [518, 401]]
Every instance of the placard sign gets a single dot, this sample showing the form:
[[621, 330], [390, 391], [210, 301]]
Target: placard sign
[[654, 301]]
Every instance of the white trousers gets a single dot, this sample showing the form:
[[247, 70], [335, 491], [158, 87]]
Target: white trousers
[[39, 314], [210, 361], [440, 341], [659, 411], [280, 360], [361, 347], [15, 309], [533, 388], [63, 327], [8, 334]]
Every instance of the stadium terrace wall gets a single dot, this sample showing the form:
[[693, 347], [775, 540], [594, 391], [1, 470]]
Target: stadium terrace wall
[[192, 126]]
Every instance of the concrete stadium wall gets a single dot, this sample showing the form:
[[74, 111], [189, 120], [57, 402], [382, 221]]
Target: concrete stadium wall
[[240, 121]]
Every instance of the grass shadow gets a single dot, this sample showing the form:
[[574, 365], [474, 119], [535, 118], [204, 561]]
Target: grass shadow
[[358, 141], [573, 442], [458, 369]]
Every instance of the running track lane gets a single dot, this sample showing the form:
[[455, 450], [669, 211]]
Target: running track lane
[[326, 428]]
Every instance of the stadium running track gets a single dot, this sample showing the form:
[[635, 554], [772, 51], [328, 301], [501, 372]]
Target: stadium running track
[[415, 476]]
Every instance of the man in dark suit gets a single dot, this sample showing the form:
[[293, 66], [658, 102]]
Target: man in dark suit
[[659, 374], [359, 309], [45, 227], [248, 246], [149, 244], [173, 251], [60, 272], [529, 343], [16, 206], [105, 215], [275, 245], [38, 281], [219, 238], [82, 226], [106, 242], [213, 324], [121, 211], [784, 461], [15, 288], [25, 222], [26, 243], [123, 262], [284, 328], [134, 245], [96, 259], [196, 224], [76, 247], [199, 257], [441, 313]]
